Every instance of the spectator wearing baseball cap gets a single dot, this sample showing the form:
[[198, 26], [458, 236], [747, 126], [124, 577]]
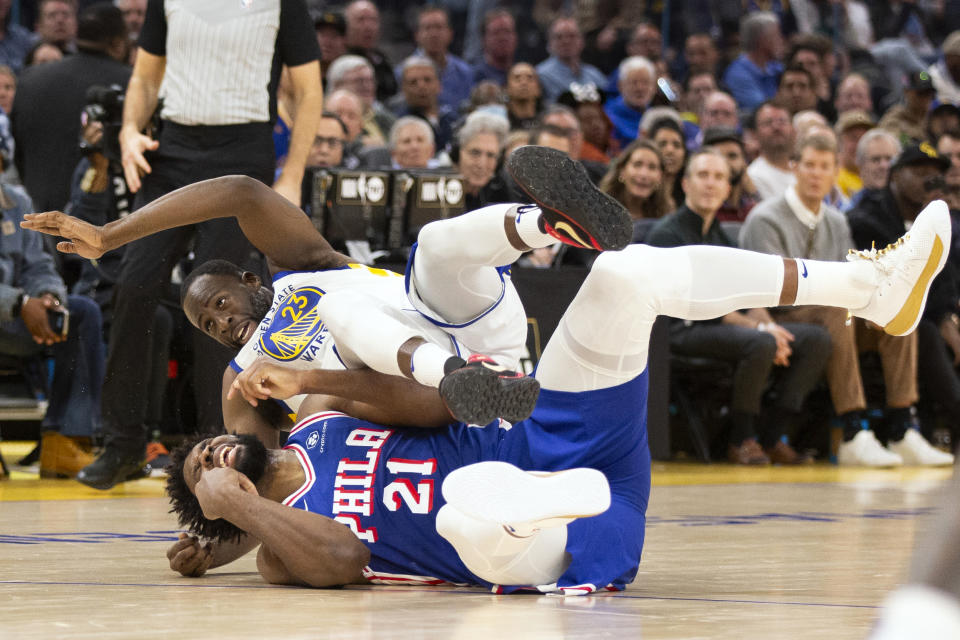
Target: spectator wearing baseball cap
[[944, 117], [743, 195], [850, 128], [945, 72], [331, 29], [907, 120]]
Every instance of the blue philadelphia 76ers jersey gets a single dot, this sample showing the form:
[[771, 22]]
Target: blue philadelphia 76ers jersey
[[384, 484]]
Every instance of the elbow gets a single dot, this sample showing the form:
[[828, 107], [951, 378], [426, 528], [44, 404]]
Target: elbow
[[242, 186]]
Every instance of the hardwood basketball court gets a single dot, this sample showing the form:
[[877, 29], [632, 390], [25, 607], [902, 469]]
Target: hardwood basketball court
[[730, 553]]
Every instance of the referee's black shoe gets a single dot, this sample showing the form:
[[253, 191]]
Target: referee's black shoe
[[574, 210], [113, 466], [478, 391]]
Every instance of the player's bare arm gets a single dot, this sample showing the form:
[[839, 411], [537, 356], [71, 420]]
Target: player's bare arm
[[264, 421], [192, 556], [269, 221], [297, 547], [364, 393]]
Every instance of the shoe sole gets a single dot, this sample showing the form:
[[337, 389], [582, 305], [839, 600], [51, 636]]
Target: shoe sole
[[502, 493], [476, 395], [908, 317], [561, 187]]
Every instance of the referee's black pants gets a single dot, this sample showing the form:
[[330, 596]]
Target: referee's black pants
[[186, 154]]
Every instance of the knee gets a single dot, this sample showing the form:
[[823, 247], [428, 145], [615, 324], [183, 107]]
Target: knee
[[618, 272], [818, 340], [761, 347], [432, 241], [337, 308], [84, 309]]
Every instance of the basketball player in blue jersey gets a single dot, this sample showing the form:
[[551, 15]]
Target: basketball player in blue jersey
[[415, 328], [555, 503]]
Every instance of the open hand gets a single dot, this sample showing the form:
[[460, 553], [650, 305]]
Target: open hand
[[82, 238], [133, 144]]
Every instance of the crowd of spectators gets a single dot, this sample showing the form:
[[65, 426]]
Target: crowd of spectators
[[805, 129]]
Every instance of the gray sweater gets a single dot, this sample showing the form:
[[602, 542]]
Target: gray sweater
[[772, 227], [24, 265]]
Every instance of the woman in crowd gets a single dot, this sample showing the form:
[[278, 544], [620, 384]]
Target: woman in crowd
[[586, 100], [667, 135], [479, 142], [637, 180]]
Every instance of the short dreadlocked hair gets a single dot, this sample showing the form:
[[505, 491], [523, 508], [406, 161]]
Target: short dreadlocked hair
[[185, 504]]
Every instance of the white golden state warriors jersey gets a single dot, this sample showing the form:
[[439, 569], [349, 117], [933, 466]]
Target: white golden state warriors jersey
[[293, 333]]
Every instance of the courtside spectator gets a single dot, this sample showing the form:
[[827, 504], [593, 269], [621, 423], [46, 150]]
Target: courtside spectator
[[637, 84], [636, 180], [499, 47], [421, 89], [564, 65], [363, 37], [908, 120], [752, 78], [752, 341], [433, 38], [771, 172]]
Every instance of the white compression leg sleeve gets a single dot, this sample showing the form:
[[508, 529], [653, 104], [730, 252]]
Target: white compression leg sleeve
[[367, 331], [602, 339], [453, 267], [495, 555]]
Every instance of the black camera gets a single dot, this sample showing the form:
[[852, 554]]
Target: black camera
[[104, 105]]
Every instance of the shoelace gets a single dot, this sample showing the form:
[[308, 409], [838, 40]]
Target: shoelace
[[881, 258]]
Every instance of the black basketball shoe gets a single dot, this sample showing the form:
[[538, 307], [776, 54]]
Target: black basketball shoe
[[574, 210], [479, 391]]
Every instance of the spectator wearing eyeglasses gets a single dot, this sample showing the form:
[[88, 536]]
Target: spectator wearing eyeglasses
[[356, 74], [479, 142], [327, 148], [771, 172]]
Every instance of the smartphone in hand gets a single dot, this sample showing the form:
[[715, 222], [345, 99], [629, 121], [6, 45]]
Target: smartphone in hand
[[59, 320]]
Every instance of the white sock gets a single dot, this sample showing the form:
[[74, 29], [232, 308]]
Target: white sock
[[848, 285], [427, 363], [528, 228]]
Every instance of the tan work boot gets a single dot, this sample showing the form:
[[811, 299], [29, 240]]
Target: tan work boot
[[61, 456]]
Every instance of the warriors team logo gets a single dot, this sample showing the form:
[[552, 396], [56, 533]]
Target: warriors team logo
[[294, 326]]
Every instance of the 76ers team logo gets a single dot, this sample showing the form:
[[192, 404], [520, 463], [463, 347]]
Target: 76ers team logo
[[294, 325]]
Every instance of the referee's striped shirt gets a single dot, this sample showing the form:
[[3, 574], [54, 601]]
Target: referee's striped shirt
[[223, 57]]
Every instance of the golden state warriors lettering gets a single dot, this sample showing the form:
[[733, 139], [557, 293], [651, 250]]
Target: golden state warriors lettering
[[295, 326]]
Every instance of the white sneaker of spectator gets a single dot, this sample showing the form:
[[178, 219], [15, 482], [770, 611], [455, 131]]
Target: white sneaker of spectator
[[915, 450], [866, 451]]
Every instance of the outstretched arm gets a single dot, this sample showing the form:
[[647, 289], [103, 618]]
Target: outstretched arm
[[269, 221]]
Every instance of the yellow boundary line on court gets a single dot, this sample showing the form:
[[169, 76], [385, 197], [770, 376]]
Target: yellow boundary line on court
[[23, 485]]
